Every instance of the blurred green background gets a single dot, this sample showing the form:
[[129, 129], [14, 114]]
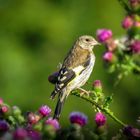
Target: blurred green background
[[35, 36]]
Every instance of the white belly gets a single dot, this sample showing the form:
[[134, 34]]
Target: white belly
[[84, 76]]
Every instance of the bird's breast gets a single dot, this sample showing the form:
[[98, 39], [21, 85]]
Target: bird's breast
[[82, 78]]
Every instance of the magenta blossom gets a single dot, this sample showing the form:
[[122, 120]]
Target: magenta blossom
[[97, 85], [4, 109], [103, 35], [20, 134], [127, 22], [53, 122], [34, 135], [108, 56], [78, 118], [32, 118], [135, 47], [100, 119], [44, 110]]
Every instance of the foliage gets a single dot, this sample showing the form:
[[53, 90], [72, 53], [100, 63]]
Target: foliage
[[35, 32], [122, 54], [14, 125]]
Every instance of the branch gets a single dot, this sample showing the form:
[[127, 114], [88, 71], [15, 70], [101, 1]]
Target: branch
[[103, 109]]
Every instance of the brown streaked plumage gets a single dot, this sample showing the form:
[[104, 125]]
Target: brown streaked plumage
[[76, 57]]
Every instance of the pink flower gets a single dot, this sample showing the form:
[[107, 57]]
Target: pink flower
[[78, 118], [44, 110], [100, 119], [4, 109], [103, 35], [16, 111], [135, 47], [97, 85], [33, 118], [53, 122], [108, 56], [111, 45], [20, 134], [34, 135], [127, 22]]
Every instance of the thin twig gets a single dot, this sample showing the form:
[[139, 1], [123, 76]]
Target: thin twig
[[105, 110]]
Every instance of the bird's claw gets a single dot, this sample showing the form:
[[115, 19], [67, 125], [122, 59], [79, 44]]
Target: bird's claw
[[84, 92]]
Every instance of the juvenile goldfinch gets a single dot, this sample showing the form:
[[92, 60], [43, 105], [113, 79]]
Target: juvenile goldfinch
[[75, 70]]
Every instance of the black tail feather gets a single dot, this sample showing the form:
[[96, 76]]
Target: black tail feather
[[58, 109], [53, 94]]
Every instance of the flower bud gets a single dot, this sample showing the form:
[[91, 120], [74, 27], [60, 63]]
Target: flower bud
[[38, 126], [135, 47], [103, 35], [101, 129], [53, 122], [34, 135], [20, 134], [75, 132], [78, 118], [109, 57], [111, 45], [97, 85], [16, 111], [4, 109], [32, 118], [127, 22], [51, 127], [20, 118], [44, 110], [100, 119], [49, 132]]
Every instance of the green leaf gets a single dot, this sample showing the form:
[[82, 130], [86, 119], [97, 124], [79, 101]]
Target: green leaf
[[108, 101]]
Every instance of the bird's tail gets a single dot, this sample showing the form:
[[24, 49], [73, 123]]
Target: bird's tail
[[58, 109], [60, 103]]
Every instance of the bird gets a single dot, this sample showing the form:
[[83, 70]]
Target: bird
[[75, 70]]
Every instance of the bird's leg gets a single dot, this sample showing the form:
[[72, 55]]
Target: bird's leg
[[83, 91]]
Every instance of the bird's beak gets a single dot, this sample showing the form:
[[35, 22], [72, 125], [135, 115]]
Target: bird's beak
[[96, 43]]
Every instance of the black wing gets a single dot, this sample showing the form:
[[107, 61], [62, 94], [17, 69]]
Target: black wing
[[64, 77]]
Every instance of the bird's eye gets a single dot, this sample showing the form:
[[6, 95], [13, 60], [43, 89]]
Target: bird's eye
[[87, 40]]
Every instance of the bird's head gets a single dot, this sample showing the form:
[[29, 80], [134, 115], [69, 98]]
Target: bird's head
[[87, 42]]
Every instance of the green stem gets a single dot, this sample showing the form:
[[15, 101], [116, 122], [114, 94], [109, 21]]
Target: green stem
[[106, 111]]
